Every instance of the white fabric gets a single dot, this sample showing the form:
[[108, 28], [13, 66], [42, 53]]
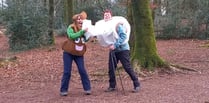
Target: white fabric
[[106, 31], [91, 28]]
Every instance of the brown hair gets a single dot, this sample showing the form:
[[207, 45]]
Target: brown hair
[[108, 11], [83, 16]]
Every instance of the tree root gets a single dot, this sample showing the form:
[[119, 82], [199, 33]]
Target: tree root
[[169, 69], [181, 69]]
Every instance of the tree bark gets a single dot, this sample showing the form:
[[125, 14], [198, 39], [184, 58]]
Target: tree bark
[[68, 11], [145, 50], [130, 20], [51, 22]]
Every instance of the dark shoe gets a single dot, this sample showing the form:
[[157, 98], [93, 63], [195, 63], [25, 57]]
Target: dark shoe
[[88, 92], [63, 93], [136, 90], [110, 89]]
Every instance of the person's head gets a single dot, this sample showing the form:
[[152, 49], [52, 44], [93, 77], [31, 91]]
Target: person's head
[[78, 19], [107, 15]]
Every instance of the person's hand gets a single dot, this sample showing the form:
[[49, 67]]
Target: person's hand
[[111, 47], [86, 29]]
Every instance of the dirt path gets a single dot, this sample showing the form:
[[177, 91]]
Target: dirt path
[[35, 76]]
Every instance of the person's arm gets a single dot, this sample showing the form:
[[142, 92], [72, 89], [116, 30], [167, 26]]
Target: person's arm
[[72, 35], [122, 35]]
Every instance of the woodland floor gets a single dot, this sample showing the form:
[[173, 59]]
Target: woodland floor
[[34, 76]]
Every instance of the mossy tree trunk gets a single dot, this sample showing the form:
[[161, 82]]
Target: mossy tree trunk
[[144, 51]]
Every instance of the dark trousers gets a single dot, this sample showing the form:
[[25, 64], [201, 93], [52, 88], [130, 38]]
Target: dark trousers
[[124, 58], [79, 60]]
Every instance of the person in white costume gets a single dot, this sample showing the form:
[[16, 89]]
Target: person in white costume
[[105, 30], [115, 35]]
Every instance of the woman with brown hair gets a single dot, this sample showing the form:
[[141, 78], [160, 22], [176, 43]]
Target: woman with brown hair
[[76, 35]]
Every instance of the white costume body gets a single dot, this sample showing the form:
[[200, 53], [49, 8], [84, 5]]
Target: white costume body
[[105, 31]]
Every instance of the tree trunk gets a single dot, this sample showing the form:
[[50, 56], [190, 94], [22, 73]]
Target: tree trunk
[[68, 11], [45, 3], [130, 20], [51, 22], [144, 51]]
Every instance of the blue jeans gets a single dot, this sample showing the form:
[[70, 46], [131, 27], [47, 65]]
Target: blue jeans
[[79, 60]]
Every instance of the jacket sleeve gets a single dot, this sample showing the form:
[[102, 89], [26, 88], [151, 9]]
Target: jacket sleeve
[[122, 35], [72, 35]]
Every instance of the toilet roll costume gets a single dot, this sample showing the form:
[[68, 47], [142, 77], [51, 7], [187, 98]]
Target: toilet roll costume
[[105, 31]]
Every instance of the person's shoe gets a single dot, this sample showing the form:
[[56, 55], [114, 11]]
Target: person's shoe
[[63, 93], [110, 89], [136, 90], [88, 92]]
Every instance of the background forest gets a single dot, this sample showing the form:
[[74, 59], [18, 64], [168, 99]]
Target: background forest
[[31, 62], [30, 23]]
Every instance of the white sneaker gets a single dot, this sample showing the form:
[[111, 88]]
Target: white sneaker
[[88, 92], [63, 93]]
